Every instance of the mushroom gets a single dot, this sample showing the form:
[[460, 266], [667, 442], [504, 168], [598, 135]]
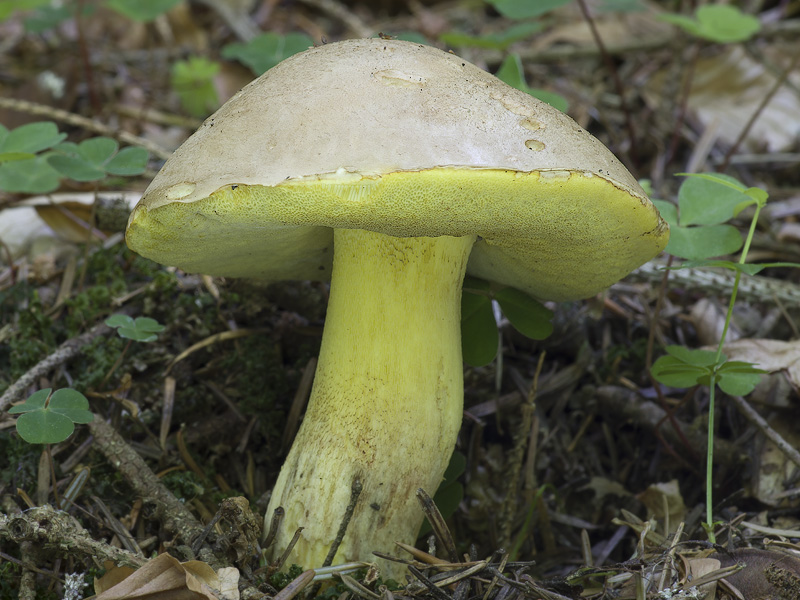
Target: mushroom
[[390, 168]]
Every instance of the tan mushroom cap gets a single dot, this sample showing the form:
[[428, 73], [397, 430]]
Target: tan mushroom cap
[[403, 139]]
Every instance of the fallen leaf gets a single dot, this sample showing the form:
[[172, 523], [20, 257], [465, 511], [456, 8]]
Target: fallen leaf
[[162, 578]]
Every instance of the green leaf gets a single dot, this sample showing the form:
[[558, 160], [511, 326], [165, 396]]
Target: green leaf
[[9, 7], [266, 50], [684, 368], [674, 372], [525, 9], [75, 167], [96, 151], [12, 156], [142, 10], [528, 316], [738, 378], [71, 404], [50, 418], [128, 161], [710, 201], [119, 321], [44, 427], [47, 17], [193, 81], [721, 23], [141, 329], [699, 358], [697, 243], [35, 401], [30, 176], [30, 138], [493, 41], [456, 467], [511, 71], [479, 337]]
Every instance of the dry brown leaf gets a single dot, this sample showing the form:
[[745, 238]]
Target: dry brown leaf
[[665, 500], [698, 567], [727, 89], [162, 578], [770, 355]]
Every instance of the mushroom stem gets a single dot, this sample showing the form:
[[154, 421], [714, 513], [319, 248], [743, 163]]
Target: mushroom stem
[[387, 399]]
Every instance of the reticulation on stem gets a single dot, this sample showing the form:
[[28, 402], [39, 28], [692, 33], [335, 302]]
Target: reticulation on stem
[[387, 398]]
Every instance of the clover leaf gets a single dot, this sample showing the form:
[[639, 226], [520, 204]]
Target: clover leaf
[[48, 417], [141, 329]]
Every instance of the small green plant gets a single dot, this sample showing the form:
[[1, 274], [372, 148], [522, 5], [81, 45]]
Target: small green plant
[[511, 70], [266, 50], [142, 10], [140, 329], [479, 336], [699, 233], [96, 158], [49, 417], [525, 9], [21, 170], [34, 158], [721, 23], [193, 81], [500, 40]]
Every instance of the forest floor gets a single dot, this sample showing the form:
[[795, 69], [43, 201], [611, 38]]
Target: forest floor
[[576, 474]]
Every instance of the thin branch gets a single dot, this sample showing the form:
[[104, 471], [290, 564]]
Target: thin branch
[[34, 108]]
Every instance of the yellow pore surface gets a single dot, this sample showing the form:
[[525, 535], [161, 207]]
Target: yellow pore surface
[[555, 234]]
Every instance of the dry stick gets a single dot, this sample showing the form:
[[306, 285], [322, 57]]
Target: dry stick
[[764, 101], [296, 586], [34, 108], [170, 512], [355, 492], [756, 419], [520, 437], [44, 526], [684, 104], [438, 525], [62, 354], [628, 405], [614, 75]]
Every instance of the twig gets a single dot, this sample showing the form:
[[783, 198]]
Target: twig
[[438, 525], [171, 512], [46, 527], [520, 436], [355, 492], [629, 406], [63, 353], [615, 77], [34, 108], [756, 419]]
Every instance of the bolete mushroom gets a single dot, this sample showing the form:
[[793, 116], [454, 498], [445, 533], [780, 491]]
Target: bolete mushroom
[[390, 167]]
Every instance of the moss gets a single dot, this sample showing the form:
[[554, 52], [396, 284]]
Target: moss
[[184, 485], [34, 338], [95, 361]]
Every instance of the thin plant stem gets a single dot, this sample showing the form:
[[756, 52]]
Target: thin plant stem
[[713, 382]]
